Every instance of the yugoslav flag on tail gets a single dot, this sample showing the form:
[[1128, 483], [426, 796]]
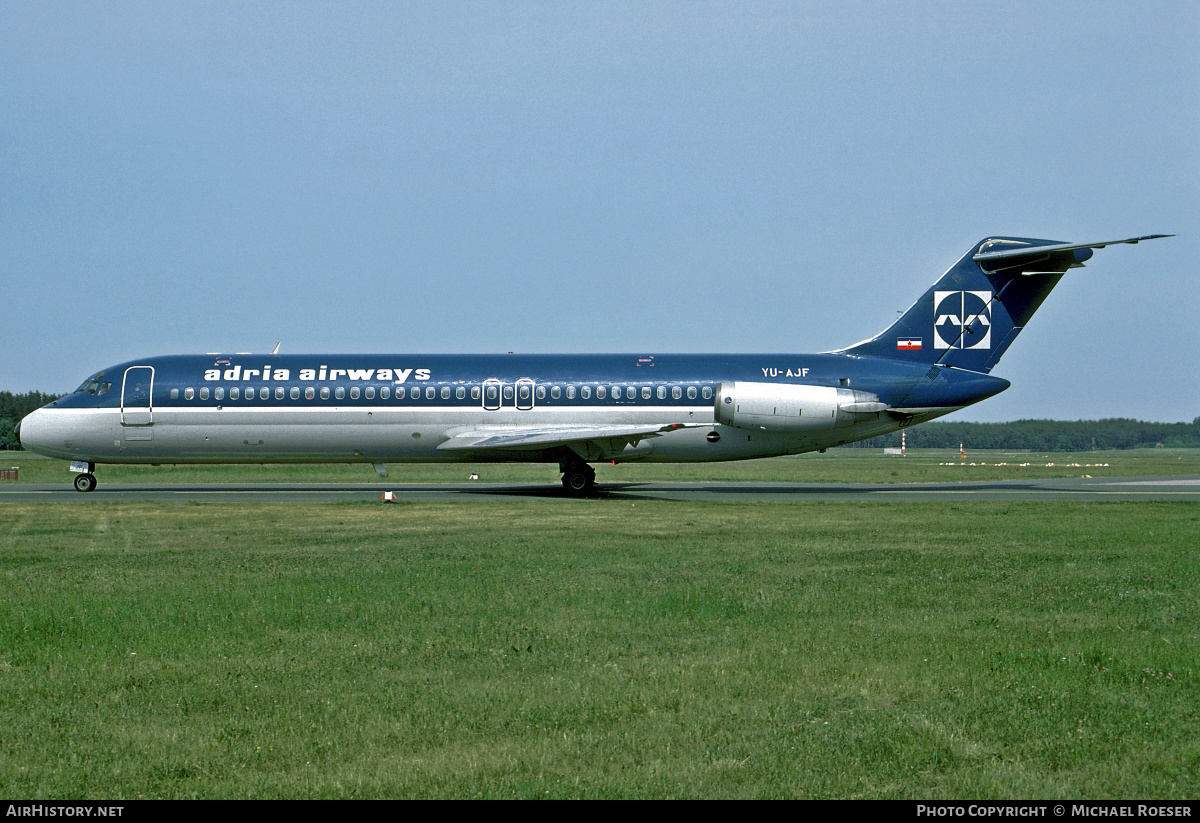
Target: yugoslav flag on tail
[[970, 317]]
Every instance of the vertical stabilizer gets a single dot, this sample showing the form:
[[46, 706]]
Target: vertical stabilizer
[[970, 317]]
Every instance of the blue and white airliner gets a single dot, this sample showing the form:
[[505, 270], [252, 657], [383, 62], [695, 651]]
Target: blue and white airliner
[[574, 410]]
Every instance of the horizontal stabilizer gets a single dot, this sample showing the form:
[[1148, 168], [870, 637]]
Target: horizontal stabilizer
[[1033, 250]]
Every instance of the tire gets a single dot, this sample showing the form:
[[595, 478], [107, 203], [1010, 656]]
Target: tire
[[578, 480], [85, 482]]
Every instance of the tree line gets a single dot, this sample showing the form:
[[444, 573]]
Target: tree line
[[1045, 435], [1031, 435]]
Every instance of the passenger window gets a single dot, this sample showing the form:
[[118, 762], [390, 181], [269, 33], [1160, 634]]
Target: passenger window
[[555, 392], [204, 392], [399, 392], [234, 392], [370, 392], [631, 392], [309, 393], [295, 393], [541, 392], [474, 392], [645, 392], [189, 393], [385, 392], [430, 392], [676, 392], [354, 392], [570, 392], [339, 393], [279, 392], [586, 392], [264, 393], [174, 394], [662, 392], [491, 393], [601, 392], [445, 392], [508, 392], [460, 393], [219, 393], [691, 392], [707, 392], [324, 392]]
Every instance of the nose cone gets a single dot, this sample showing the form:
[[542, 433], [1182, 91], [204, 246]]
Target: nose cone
[[33, 434]]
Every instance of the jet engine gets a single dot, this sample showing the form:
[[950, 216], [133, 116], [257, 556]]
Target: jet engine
[[788, 408]]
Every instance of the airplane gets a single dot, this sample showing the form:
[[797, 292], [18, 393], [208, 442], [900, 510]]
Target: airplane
[[572, 409]]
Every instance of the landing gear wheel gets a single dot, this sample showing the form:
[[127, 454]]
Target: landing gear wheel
[[579, 479], [85, 482]]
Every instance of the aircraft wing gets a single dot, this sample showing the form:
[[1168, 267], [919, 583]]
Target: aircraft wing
[[515, 439]]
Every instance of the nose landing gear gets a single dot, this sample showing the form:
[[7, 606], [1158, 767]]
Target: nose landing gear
[[85, 481]]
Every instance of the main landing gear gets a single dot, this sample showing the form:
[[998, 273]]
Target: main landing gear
[[578, 478]]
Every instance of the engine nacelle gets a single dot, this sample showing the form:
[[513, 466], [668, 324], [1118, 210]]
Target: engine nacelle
[[787, 408]]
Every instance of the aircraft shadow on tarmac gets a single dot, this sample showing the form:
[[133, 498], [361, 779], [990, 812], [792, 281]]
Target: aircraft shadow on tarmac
[[652, 491]]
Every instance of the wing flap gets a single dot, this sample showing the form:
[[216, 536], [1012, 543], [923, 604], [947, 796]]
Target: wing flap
[[516, 439]]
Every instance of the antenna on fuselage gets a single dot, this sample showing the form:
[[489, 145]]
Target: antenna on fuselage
[[276, 349]]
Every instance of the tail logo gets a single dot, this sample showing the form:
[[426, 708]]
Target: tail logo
[[962, 320]]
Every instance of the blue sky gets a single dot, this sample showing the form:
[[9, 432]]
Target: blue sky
[[568, 177]]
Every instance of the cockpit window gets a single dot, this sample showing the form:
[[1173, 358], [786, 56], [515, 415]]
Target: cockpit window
[[93, 385]]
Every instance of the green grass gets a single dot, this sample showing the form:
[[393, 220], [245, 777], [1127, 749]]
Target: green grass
[[835, 466], [600, 649]]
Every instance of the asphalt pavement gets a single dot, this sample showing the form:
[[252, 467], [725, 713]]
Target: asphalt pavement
[[1184, 488]]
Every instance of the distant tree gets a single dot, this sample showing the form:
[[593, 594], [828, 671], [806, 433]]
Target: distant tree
[[8, 437], [1046, 435]]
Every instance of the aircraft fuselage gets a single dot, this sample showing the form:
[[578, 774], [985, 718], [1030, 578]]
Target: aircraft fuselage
[[405, 408]]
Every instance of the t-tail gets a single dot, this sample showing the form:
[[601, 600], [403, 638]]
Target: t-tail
[[970, 317]]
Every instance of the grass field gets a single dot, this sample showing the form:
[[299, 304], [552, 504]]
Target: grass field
[[835, 466], [566, 648]]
